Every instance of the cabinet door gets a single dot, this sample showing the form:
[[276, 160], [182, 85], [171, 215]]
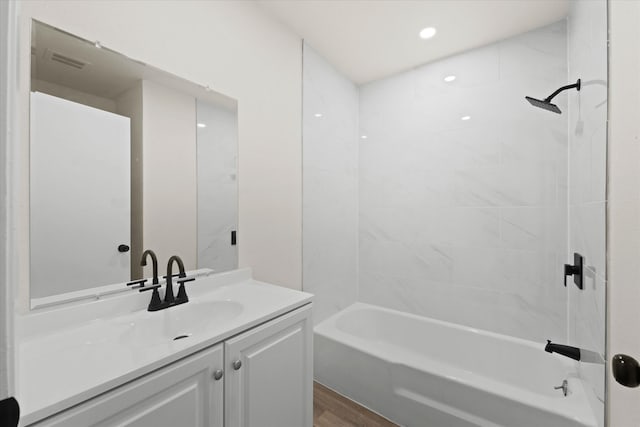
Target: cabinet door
[[183, 394], [272, 384]]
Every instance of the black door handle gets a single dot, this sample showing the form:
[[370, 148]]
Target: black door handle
[[123, 248], [9, 412], [626, 370]]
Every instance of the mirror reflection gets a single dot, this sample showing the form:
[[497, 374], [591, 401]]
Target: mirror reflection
[[123, 157]]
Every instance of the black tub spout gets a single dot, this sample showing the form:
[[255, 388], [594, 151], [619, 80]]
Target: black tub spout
[[565, 350]]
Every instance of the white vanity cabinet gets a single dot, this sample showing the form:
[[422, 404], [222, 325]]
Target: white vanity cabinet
[[183, 394], [258, 378], [269, 381]]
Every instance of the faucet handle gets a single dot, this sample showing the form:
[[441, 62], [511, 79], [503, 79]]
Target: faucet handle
[[575, 270], [182, 293], [172, 276], [564, 387], [148, 288], [137, 283]]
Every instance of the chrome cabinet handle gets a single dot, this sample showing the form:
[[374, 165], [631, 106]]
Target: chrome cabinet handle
[[217, 374], [237, 364]]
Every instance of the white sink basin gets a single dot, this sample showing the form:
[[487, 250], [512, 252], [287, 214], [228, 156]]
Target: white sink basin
[[179, 322]]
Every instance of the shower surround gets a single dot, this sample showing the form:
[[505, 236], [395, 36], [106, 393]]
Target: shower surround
[[330, 186], [587, 39], [467, 200], [442, 199], [463, 189]]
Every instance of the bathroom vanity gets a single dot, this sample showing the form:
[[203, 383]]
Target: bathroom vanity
[[92, 351], [238, 354]]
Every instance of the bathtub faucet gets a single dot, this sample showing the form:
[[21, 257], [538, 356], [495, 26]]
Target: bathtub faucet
[[565, 350], [564, 387]]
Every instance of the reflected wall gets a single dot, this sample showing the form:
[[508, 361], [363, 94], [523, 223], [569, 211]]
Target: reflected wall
[[217, 193]]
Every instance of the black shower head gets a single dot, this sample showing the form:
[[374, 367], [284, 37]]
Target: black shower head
[[543, 104], [546, 104]]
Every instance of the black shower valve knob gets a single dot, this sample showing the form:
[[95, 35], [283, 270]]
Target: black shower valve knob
[[575, 270]]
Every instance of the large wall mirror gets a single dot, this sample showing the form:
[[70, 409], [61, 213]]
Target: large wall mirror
[[123, 157]]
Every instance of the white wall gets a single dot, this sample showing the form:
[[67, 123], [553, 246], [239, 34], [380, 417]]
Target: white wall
[[169, 179], [465, 221], [623, 213], [210, 44], [217, 169], [587, 60], [330, 201]]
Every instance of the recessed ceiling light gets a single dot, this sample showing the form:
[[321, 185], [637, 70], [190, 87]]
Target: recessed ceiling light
[[317, 115], [202, 125], [427, 33], [363, 137], [450, 78], [465, 117]]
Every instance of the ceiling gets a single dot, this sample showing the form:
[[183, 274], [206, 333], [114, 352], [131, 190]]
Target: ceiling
[[98, 72], [370, 39]]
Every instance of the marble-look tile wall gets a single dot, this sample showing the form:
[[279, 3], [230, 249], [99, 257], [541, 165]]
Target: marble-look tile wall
[[217, 165], [463, 189], [330, 191], [587, 60]]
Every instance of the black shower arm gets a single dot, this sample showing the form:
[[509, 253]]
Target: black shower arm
[[563, 88]]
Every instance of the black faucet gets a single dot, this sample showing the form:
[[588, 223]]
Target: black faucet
[[169, 300], [136, 284], [565, 350], [182, 297], [154, 262], [155, 303]]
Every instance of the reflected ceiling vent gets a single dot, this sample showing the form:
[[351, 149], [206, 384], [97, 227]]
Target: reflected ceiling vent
[[66, 60]]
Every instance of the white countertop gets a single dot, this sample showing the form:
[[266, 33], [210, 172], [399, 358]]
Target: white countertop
[[71, 354]]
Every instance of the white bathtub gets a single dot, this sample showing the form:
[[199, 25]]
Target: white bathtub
[[422, 372]]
